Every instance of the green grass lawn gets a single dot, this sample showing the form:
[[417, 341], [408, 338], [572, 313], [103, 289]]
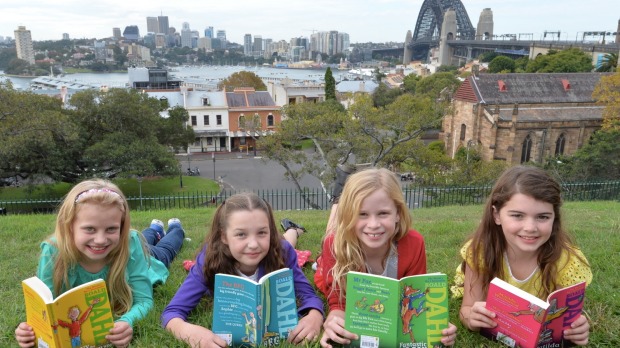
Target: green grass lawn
[[595, 226]]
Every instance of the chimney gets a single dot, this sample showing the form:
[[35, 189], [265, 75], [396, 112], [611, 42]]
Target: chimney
[[502, 85], [566, 84]]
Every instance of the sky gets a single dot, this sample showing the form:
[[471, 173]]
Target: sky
[[363, 20]]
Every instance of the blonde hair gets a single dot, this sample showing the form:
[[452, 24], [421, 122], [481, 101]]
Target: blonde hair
[[104, 193], [347, 249]]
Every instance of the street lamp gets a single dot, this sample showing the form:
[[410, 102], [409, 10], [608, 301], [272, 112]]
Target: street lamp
[[189, 161], [213, 158], [181, 174], [140, 185]]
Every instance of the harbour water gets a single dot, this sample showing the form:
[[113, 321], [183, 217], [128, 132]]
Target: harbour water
[[209, 75]]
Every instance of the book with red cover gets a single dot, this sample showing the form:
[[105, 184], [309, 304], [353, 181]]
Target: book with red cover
[[525, 321]]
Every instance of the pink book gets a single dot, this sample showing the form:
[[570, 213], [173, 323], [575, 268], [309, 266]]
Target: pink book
[[525, 321]]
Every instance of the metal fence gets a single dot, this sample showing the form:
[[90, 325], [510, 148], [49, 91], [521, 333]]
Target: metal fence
[[415, 196]]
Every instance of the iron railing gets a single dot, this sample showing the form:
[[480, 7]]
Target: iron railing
[[415, 196]]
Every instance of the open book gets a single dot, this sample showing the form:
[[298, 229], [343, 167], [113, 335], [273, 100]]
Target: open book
[[249, 314], [525, 321], [388, 313], [80, 317]]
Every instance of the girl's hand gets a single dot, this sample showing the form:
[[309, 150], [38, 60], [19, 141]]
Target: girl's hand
[[579, 331], [121, 334], [480, 317], [194, 335], [24, 335], [448, 335], [308, 328], [335, 331]]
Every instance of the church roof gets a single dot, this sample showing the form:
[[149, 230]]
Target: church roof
[[529, 88]]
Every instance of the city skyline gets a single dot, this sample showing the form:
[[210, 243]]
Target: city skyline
[[363, 20]]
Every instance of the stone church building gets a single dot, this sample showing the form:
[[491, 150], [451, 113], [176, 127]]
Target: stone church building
[[523, 117]]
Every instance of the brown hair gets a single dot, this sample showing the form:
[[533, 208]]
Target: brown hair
[[488, 243], [218, 258]]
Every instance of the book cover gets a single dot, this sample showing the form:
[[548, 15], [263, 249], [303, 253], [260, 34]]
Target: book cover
[[80, 317], [249, 314], [388, 313], [525, 321]]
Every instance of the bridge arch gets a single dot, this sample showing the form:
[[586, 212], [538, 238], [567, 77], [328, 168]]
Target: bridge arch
[[428, 26]]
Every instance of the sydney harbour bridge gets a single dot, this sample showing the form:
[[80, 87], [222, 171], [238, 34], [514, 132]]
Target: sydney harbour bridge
[[443, 32]]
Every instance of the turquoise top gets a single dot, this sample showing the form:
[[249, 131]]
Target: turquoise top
[[140, 276]]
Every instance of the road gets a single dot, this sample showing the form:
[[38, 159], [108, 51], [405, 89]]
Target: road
[[246, 172]]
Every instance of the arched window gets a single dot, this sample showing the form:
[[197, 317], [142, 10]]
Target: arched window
[[257, 122], [463, 129], [526, 149], [559, 145], [270, 120], [241, 121]]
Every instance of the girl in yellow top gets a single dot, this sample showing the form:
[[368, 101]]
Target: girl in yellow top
[[521, 240]]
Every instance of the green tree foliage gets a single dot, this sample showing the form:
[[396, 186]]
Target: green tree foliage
[[570, 60], [384, 95], [363, 132], [410, 82], [119, 131], [488, 56], [330, 85], [607, 92], [433, 85], [6, 55], [501, 64], [599, 159], [19, 67], [36, 135], [242, 79]]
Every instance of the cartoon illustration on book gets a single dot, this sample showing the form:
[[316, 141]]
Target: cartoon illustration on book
[[377, 307], [250, 328], [75, 326], [361, 304], [409, 308], [553, 312]]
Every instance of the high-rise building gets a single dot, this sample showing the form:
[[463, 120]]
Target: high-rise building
[[131, 33], [65, 36], [221, 35], [257, 49], [209, 33], [186, 36], [152, 25], [164, 26], [23, 44], [247, 44], [116, 33]]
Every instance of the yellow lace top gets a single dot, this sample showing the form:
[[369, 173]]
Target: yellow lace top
[[571, 271]]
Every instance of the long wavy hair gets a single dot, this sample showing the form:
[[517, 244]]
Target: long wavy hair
[[104, 193], [347, 248], [218, 258], [488, 243]]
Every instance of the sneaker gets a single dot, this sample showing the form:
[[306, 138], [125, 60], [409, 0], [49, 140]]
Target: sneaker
[[286, 224], [174, 221], [158, 227], [342, 173]]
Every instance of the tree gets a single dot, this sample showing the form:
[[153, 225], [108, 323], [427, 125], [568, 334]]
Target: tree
[[119, 131], [599, 159], [384, 95], [409, 83], [432, 86], [502, 64], [607, 92], [363, 133], [242, 79], [570, 60], [330, 85], [609, 64]]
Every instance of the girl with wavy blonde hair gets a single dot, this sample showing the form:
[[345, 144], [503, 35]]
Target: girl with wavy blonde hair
[[371, 233]]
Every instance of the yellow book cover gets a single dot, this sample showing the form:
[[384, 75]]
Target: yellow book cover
[[80, 317]]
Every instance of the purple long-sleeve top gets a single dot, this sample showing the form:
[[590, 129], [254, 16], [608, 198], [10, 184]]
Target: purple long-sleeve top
[[195, 287]]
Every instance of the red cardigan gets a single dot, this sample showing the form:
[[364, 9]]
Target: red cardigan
[[411, 261]]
